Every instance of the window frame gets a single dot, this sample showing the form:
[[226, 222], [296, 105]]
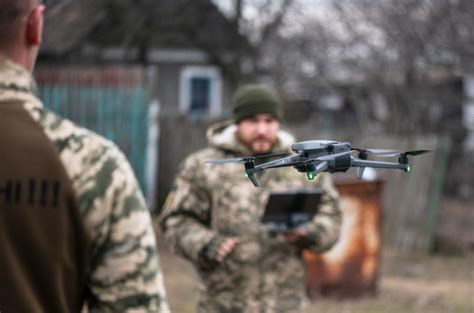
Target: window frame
[[215, 89]]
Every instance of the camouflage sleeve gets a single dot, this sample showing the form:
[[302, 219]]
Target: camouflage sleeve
[[185, 217], [125, 272], [324, 229]]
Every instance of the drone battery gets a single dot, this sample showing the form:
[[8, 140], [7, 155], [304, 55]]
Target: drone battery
[[289, 209]]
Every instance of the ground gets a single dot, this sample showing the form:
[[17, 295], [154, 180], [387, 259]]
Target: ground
[[418, 284]]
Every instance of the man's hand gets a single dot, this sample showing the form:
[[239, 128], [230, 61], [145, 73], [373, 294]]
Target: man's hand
[[296, 235], [226, 247]]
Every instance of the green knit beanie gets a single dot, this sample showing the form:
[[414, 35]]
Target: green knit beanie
[[253, 99]]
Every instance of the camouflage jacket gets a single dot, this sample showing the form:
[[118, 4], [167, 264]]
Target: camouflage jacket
[[264, 273], [124, 274]]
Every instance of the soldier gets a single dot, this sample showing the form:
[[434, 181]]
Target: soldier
[[74, 227], [212, 216]]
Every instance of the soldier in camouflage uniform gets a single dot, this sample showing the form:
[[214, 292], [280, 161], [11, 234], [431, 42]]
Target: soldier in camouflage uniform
[[74, 227], [212, 216]]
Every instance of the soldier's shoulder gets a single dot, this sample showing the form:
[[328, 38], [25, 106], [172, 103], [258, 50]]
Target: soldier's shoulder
[[94, 164], [72, 139], [96, 167]]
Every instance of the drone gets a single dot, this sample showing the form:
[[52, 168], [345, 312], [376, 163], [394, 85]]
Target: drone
[[316, 156]]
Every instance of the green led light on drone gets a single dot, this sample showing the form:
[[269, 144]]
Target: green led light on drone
[[246, 175], [408, 168], [310, 175]]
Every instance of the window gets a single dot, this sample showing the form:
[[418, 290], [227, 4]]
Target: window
[[200, 95], [200, 91]]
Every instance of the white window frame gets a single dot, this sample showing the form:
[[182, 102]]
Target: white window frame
[[214, 75]]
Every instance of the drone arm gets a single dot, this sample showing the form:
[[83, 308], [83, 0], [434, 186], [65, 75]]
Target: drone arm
[[378, 164], [287, 161], [251, 169]]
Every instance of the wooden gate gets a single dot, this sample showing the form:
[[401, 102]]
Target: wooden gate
[[112, 101]]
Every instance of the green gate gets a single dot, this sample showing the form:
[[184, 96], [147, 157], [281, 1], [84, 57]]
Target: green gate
[[112, 101]]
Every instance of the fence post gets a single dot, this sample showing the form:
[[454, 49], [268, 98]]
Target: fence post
[[436, 190], [152, 153]]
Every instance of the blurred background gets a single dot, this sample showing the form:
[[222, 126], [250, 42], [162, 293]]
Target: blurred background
[[152, 75]]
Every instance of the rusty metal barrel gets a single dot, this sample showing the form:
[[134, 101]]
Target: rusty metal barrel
[[351, 267]]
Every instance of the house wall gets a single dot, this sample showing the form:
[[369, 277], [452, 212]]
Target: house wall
[[168, 89], [180, 134]]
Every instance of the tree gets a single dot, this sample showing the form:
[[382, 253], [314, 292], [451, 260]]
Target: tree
[[403, 58], [259, 22], [399, 50]]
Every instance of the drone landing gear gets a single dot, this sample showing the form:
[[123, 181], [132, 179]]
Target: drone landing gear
[[360, 172], [249, 166]]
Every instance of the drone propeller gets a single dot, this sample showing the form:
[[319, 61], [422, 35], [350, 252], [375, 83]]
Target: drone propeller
[[406, 153], [363, 154], [248, 163], [403, 157], [236, 160], [375, 151], [271, 155], [416, 152], [224, 161]]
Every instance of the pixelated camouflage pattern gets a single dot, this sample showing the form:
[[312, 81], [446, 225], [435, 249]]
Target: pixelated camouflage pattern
[[263, 273], [125, 273]]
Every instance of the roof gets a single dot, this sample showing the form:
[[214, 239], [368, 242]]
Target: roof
[[169, 23], [74, 19]]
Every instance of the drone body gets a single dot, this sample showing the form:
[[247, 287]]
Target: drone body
[[317, 156]]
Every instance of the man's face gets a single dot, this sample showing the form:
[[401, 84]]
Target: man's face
[[259, 132]]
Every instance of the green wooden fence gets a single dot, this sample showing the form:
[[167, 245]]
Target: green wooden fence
[[111, 102]]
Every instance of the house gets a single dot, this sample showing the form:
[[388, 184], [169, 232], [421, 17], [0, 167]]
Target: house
[[188, 54], [195, 49]]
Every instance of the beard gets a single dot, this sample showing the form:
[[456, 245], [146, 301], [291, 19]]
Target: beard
[[262, 144]]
